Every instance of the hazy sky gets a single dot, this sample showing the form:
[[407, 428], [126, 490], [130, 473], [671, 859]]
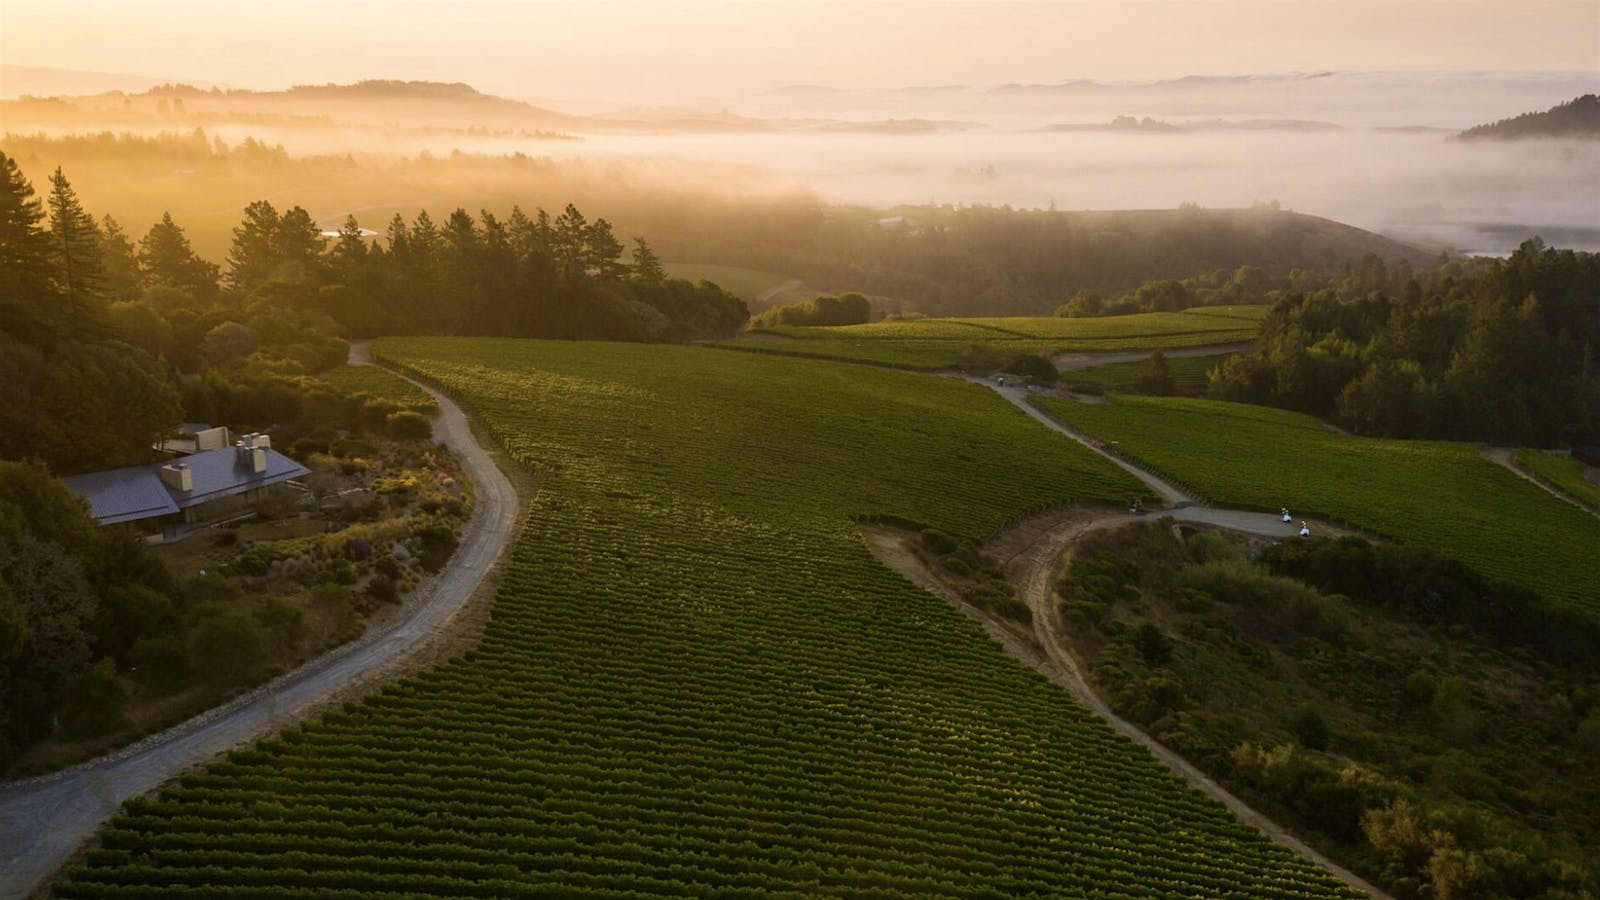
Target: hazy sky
[[701, 51]]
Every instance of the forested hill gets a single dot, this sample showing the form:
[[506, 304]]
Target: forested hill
[[365, 103], [999, 261], [1579, 118]]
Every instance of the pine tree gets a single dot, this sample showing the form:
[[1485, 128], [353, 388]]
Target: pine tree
[[646, 265], [121, 264], [26, 292], [169, 261], [602, 252], [254, 254], [75, 248], [298, 244], [568, 238]]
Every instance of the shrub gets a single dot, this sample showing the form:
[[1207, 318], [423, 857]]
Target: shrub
[[95, 700], [383, 589], [228, 648], [1152, 643], [1310, 728], [1031, 365], [388, 568], [409, 426], [161, 663], [938, 542], [375, 414], [284, 623]]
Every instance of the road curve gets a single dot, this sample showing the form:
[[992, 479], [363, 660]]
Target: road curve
[[44, 820], [1071, 362]]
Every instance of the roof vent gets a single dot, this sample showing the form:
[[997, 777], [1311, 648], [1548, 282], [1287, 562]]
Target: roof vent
[[177, 477]]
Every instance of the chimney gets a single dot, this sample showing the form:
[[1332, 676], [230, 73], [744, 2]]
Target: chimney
[[258, 460], [262, 440], [177, 477]]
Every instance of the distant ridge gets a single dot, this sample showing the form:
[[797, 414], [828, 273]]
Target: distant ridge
[[1579, 118]]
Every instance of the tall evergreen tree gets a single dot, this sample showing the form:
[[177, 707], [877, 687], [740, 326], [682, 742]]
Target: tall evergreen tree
[[169, 261], [254, 254], [568, 241], [298, 244], [75, 246], [26, 291], [646, 265], [121, 262], [602, 252]]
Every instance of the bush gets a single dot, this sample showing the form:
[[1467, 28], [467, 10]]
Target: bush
[[375, 414], [1033, 366], [1152, 643], [938, 542], [284, 623], [95, 700], [383, 589], [409, 426], [228, 649], [388, 568], [1310, 728], [161, 663]]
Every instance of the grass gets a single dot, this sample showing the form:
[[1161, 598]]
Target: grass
[[1562, 471], [945, 343], [698, 680], [1441, 495], [383, 385], [1189, 373]]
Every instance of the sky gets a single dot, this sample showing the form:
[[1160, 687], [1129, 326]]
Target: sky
[[619, 53]]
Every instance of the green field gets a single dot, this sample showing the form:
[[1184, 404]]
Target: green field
[[698, 681], [382, 385], [1438, 494], [943, 343], [1564, 472], [745, 283], [1189, 373]]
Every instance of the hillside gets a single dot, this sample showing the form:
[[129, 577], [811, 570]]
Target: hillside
[[997, 261], [372, 103], [1579, 118]]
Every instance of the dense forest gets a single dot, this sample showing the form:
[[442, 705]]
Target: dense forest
[[1577, 118], [1504, 351]]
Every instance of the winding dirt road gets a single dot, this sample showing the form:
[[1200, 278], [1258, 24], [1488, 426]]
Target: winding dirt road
[[1031, 553], [44, 820], [1071, 362]]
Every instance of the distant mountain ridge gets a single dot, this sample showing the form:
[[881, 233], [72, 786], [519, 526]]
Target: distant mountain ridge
[[1579, 118]]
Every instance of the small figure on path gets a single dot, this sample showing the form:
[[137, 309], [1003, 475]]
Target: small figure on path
[[1287, 519], [1305, 530], [1001, 380]]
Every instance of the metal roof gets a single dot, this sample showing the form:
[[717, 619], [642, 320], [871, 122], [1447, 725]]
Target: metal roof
[[137, 492]]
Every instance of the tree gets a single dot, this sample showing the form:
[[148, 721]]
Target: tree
[[602, 252], [228, 648], [26, 292], [254, 254], [646, 265], [75, 246], [95, 700], [121, 262], [169, 261], [298, 245], [1157, 376]]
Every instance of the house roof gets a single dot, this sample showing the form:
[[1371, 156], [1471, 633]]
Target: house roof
[[137, 492]]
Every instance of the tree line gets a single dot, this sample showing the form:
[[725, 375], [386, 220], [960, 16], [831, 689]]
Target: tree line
[[1504, 351]]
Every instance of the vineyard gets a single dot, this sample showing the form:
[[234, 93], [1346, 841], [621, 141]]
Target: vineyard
[[1189, 373], [1564, 472], [1438, 494], [698, 681], [944, 343]]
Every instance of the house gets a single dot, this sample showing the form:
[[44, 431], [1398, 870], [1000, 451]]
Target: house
[[168, 499]]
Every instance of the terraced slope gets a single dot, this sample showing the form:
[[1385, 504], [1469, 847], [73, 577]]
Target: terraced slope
[[698, 681], [1439, 494]]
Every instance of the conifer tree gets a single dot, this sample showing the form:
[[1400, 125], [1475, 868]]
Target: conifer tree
[[169, 261], [26, 292], [75, 251], [646, 265], [119, 258], [253, 256]]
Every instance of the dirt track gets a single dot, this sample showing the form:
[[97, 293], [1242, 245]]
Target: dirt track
[[1031, 552], [44, 820]]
